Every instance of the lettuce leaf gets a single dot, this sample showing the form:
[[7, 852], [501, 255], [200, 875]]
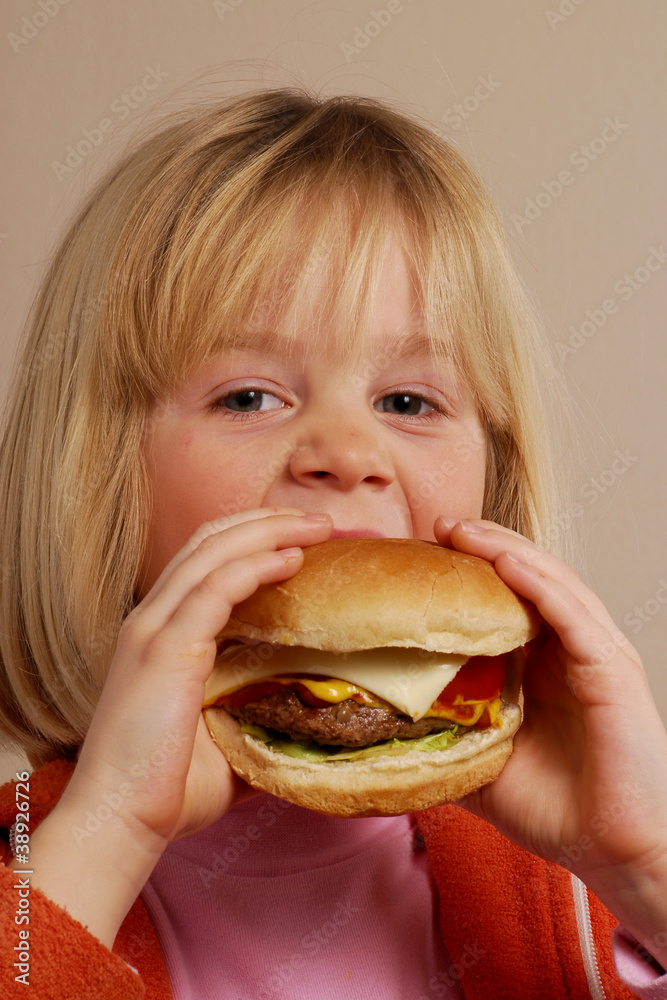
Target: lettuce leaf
[[326, 754]]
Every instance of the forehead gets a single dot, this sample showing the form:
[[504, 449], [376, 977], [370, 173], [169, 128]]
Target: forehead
[[327, 290], [390, 326]]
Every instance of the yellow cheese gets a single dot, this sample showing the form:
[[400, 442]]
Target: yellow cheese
[[494, 709], [467, 713], [330, 690], [335, 691], [409, 679]]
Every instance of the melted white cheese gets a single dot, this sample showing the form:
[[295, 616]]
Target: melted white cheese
[[410, 679]]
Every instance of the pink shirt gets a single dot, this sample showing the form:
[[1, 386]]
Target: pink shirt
[[276, 902]]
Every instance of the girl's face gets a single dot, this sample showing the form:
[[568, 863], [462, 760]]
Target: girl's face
[[384, 446]]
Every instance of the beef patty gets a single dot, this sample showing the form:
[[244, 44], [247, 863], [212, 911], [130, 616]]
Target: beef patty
[[345, 724]]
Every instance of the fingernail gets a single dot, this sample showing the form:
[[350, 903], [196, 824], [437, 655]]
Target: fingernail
[[289, 554], [469, 526], [515, 559], [448, 522], [317, 517]]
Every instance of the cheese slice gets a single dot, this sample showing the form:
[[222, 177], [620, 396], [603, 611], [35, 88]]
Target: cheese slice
[[410, 679]]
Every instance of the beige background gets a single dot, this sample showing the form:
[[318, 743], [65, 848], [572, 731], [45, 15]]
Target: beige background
[[543, 88]]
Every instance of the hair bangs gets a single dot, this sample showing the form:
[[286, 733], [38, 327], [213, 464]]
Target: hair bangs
[[297, 249]]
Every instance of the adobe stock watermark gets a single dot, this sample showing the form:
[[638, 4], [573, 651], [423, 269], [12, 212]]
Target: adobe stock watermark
[[258, 482], [113, 801], [643, 613], [625, 288], [415, 659], [309, 945], [52, 348], [566, 8], [600, 825], [656, 944], [440, 985], [120, 109], [455, 116], [581, 158], [31, 26], [222, 7], [248, 661], [102, 641], [603, 651], [446, 471], [235, 846], [597, 486], [377, 21], [561, 524], [590, 491]]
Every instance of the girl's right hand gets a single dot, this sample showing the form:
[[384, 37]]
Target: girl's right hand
[[148, 755]]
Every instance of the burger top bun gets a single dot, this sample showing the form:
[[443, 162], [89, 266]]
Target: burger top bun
[[362, 593]]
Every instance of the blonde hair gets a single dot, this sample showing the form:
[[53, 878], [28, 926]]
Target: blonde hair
[[170, 260]]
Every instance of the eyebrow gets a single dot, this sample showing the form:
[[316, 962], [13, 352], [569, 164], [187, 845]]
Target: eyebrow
[[397, 347]]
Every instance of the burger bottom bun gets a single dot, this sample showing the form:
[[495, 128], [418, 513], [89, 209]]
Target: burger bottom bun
[[386, 786]]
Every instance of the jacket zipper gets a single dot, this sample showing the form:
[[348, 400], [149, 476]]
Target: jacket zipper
[[586, 942]]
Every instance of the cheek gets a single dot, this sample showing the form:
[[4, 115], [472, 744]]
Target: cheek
[[194, 481], [183, 480], [452, 484], [197, 475], [193, 485]]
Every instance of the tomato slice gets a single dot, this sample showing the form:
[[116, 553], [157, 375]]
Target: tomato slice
[[307, 696], [482, 678], [253, 692]]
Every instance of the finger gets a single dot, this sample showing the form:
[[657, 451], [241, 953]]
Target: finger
[[210, 528], [489, 540], [600, 663], [273, 532], [497, 538], [278, 531], [192, 629]]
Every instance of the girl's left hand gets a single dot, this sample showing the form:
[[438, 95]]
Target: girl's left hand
[[586, 785]]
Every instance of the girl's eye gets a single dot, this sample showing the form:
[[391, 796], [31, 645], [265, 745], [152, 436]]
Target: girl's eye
[[249, 400], [246, 401], [410, 404]]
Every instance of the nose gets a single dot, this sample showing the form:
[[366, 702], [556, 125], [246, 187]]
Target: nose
[[342, 453]]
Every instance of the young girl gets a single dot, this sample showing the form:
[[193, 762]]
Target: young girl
[[285, 319]]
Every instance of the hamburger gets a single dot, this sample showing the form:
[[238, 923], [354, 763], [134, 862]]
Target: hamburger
[[381, 678]]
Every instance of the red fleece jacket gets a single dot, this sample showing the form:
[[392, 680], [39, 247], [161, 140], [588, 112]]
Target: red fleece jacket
[[517, 909]]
